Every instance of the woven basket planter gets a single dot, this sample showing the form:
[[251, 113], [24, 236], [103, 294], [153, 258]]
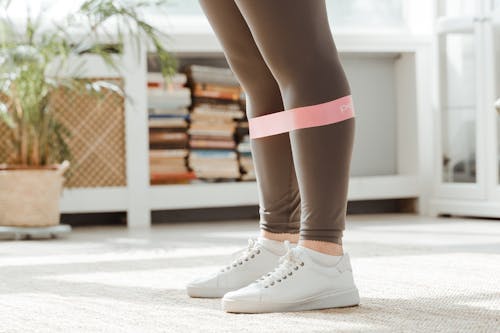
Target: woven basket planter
[[29, 197]]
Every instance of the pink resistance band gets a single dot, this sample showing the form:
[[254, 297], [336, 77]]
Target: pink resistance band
[[301, 117]]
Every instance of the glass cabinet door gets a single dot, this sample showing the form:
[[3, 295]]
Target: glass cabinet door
[[458, 107], [460, 90]]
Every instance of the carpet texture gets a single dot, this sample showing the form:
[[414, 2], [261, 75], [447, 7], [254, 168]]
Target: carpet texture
[[415, 274]]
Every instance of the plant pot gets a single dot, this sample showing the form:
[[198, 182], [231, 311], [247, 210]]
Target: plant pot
[[29, 196]]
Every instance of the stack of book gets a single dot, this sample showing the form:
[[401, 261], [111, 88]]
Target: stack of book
[[216, 109], [170, 96], [168, 124]]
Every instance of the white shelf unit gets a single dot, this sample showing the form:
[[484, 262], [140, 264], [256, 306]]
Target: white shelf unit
[[394, 127], [467, 51]]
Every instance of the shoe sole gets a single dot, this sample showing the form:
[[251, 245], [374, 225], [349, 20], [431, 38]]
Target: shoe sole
[[341, 299], [197, 292]]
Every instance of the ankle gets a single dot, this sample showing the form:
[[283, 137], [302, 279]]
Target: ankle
[[330, 248], [280, 237]]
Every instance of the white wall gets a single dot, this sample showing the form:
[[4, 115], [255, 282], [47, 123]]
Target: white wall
[[372, 79]]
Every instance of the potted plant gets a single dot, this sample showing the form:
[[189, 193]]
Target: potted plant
[[31, 60]]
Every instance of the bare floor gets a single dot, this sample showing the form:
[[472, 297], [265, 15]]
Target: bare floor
[[415, 274]]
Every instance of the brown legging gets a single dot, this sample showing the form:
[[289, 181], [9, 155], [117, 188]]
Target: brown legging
[[283, 54]]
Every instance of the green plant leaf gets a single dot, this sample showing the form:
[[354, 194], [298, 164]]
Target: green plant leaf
[[39, 62]]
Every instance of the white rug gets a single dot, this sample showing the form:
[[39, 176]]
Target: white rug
[[414, 275]]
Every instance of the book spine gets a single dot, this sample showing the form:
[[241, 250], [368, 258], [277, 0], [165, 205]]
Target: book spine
[[217, 87], [230, 96]]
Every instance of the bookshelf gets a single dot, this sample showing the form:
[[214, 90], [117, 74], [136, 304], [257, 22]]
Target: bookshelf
[[389, 74]]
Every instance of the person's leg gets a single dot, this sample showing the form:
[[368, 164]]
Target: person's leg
[[279, 199], [295, 40]]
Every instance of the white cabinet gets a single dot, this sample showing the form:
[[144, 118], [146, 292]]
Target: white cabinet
[[468, 134]]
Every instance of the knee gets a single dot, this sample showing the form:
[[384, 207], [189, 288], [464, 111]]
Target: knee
[[261, 89], [252, 73], [323, 70], [312, 83]]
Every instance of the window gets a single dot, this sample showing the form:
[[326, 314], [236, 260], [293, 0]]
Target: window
[[459, 7], [355, 14]]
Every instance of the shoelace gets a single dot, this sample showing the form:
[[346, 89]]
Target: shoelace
[[288, 264], [250, 252]]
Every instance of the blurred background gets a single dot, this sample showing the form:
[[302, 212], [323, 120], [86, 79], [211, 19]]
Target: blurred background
[[139, 100], [425, 76]]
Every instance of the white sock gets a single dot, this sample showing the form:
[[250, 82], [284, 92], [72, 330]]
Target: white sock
[[277, 247], [321, 258]]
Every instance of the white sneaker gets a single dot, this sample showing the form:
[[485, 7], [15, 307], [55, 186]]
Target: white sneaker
[[298, 283], [261, 256]]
